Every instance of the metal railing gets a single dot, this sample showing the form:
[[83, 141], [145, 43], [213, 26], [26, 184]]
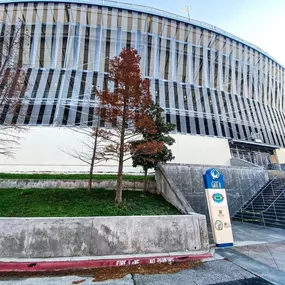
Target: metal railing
[[242, 195], [250, 205], [272, 205], [261, 192]]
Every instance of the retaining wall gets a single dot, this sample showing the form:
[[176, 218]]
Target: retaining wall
[[189, 180], [71, 184], [98, 236], [171, 193]]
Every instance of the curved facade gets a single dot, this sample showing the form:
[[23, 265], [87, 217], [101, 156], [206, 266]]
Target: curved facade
[[208, 81]]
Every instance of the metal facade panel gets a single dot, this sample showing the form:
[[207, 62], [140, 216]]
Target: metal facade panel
[[209, 82]]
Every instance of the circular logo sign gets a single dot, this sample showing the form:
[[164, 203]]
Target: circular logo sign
[[218, 197], [218, 225], [215, 174]]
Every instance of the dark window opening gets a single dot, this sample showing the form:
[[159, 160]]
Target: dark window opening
[[178, 123], [188, 125], [65, 115]]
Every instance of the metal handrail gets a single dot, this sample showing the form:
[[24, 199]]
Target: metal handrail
[[273, 202], [245, 210], [241, 195], [261, 193], [264, 211]]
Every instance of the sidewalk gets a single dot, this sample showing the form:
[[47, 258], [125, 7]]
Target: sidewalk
[[271, 254], [263, 244]]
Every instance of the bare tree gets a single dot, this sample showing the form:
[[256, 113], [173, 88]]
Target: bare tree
[[92, 144], [12, 83], [92, 150]]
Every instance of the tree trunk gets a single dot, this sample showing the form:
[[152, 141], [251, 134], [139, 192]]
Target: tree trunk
[[90, 180], [145, 175], [90, 177], [119, 192]]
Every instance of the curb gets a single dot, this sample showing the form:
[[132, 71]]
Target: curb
[[42, 266]]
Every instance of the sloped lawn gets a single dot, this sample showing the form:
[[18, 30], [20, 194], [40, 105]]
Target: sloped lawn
[[79, 203]]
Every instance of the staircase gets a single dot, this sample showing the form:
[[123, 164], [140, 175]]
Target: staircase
[[267, 207]]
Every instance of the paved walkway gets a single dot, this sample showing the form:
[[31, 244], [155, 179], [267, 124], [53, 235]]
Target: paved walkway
[[252, 233], [263, 244], [271, 254]]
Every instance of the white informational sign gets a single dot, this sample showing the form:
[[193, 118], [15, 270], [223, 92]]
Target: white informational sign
[[218, 208]]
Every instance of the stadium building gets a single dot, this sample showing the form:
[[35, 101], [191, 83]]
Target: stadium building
[[225, 95]]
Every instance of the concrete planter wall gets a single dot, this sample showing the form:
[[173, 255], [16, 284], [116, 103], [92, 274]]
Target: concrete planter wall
[[167, 188], [188, 179], [71, 184], [97, 236]]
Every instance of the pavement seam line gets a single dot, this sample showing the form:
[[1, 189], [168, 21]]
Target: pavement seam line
[[272, 256], [133, 278], [232, 265], [241, 267]]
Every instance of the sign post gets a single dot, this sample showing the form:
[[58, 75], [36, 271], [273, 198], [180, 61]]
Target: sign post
[[218, 208]]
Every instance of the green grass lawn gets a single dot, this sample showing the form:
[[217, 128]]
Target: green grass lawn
[[79, 203], [40, 176]]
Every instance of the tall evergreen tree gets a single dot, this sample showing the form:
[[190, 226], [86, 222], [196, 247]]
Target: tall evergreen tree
[[163, 154]]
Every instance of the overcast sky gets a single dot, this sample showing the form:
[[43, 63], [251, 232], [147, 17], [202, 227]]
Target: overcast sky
[[261, 22]]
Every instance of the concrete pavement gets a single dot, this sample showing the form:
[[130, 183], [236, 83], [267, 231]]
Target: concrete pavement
[[68, 280], [262, 244], [257, 268], [253, 233], [271, 254]]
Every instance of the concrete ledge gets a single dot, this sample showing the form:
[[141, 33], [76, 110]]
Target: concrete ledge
[[71, 184], [167, 188], [101, 236]]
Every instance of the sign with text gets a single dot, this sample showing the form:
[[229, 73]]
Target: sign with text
[[218, 207]]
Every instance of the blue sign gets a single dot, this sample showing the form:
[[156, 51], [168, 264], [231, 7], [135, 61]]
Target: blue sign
[[213, 179]]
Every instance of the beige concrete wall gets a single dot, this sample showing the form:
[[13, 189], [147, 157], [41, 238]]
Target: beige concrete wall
[[201, 150], [42, 149], [280, 155]]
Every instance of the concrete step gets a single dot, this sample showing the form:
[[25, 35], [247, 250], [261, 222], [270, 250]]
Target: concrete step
[[262, 209], [259, 218], [268, 223], [258, 207], [267, 201], [266, 198], [261, 205], [261, 201], [266, 215]]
